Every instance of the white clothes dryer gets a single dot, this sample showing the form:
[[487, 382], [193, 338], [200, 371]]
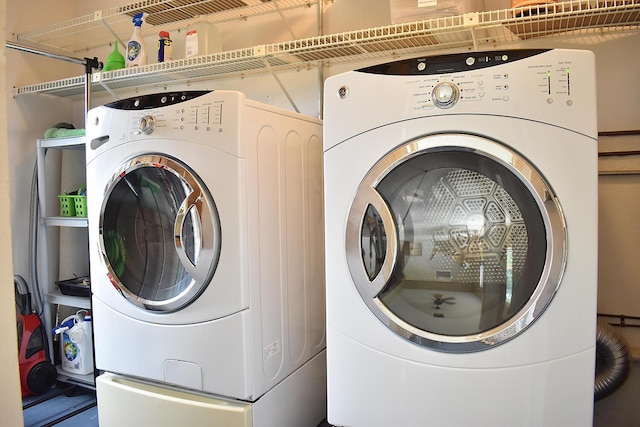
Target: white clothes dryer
[[461, 240], [205, 220]]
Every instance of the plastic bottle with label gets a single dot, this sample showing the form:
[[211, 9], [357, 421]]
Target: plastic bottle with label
[[203, 38], [165, 48], [75, 344], [136, 48]]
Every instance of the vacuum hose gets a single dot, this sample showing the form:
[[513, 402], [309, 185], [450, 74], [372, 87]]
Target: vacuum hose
[[613, 361]]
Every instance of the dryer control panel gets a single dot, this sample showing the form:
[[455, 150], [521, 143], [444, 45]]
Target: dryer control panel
[[482, 76], [445, 64], [555, 86]]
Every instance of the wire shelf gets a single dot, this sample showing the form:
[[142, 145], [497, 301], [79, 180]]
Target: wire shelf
[[474, 31], [100, 28]]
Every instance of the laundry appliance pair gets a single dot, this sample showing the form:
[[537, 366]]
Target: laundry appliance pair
[[461, 240], [205, 215], [460, 216]]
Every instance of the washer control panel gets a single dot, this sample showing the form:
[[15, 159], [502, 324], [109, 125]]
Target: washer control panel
[[208, 118], [146, 124], [178, 114], [156, 100], [204, 116], [445, 94]]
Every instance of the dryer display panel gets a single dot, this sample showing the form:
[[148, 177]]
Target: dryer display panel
[[454, 247], [159, 233]]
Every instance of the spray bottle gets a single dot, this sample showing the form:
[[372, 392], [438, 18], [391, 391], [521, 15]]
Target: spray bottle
[[136, 48], [165, 49]]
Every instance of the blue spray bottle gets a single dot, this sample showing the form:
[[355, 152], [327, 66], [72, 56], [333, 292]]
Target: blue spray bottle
[[136, 48]]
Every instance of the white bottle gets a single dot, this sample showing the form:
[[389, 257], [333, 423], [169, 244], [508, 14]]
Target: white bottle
[[75, 345], [203, 38], [136, 48]]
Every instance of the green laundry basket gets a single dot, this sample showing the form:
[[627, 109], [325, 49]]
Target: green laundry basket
[[80, 204], [67, 205], [74, 203]]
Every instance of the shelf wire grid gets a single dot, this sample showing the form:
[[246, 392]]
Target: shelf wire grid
[[101, 27], [474, 31]]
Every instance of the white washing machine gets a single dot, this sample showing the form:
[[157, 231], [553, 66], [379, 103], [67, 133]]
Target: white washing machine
[[461, 240], [206, 241]]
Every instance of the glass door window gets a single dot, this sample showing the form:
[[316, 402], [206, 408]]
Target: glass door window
[[160, 233], [455, 248]]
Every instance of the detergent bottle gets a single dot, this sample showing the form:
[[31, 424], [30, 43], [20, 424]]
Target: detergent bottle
[[136, 48], [203, 38], [76, 347]]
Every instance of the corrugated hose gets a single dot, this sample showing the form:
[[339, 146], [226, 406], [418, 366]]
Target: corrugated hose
[[613, 361]]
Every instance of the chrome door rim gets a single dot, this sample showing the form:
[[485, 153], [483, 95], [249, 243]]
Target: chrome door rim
[[209, 221], [548, 206]]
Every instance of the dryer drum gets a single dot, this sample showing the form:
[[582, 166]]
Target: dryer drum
[[613, 361]]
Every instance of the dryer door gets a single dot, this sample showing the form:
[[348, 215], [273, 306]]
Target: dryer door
[[456, 242], [159, 233]]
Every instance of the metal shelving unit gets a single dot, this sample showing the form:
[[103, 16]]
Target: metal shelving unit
[[474, 31]]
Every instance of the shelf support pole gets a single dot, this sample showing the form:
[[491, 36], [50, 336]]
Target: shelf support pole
[[275, 3], [89, 65], [284, 89]]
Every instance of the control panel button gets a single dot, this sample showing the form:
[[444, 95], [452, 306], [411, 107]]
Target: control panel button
[[147, 124], [445, 94]]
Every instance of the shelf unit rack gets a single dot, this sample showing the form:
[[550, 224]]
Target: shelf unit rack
[[48, 204], [473, 31], [48, 199]]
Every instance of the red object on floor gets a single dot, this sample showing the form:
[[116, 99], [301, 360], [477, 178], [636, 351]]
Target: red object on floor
[[37, 374]]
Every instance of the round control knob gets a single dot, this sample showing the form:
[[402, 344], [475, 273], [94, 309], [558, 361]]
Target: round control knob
[[147, 124], [445, 94]]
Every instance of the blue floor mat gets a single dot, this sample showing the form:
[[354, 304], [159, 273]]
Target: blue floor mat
[[63, 405]]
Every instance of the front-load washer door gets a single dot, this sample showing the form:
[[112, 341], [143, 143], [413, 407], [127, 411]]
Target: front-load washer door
[[159, 233], [455, 242]]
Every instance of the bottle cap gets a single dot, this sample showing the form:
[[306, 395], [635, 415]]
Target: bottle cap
[[138, 19], [164, 34]]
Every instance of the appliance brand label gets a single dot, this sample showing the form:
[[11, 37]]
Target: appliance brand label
[[270, 350]]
